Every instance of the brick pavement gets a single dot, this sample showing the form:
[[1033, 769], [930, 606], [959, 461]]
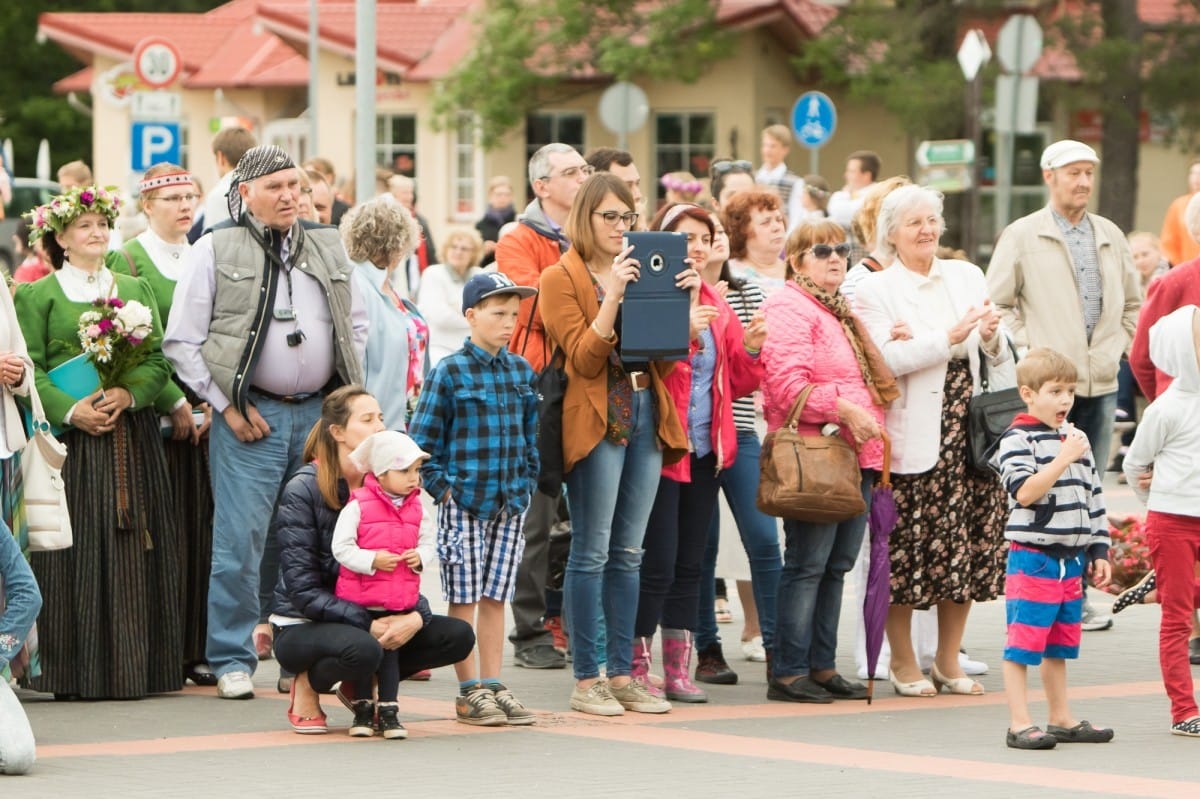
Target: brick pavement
[[191, 744]]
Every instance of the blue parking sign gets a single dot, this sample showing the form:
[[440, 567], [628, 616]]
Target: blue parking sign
[[154, 143], [814, 119]]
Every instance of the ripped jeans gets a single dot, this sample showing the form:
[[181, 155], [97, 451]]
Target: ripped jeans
[[610, 493]]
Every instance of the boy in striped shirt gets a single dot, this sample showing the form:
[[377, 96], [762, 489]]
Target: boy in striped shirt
[[1057, 530], [477, 419]]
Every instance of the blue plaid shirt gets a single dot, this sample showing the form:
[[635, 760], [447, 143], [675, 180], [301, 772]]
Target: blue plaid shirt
[[477, 418]]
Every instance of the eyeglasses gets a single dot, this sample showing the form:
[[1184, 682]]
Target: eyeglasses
[[823, 251], [572, 172], [176, 199], [611, 218], [726, 165]]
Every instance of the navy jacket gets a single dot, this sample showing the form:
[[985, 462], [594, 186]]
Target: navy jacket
[[308, 572]]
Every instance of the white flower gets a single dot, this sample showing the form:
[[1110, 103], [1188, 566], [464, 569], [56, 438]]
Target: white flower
[[89, 317], [134, 319]]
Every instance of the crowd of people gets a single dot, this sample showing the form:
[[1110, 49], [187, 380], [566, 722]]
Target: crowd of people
[[306, 417]]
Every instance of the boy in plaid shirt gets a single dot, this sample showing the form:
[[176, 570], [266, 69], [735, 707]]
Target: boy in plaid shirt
[[477, 418]]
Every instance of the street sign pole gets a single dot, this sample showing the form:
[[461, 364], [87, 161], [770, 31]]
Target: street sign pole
[[1018, 47], [364, 98], [975, 134]]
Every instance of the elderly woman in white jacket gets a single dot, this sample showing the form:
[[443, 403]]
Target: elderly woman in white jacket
[[933, 322]]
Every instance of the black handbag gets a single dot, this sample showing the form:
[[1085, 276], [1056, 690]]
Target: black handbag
[[551, 387], [988, 416]]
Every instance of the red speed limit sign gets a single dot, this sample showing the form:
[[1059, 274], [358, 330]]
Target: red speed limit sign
[[157, 62]]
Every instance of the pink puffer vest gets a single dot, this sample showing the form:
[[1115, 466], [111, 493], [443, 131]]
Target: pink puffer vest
[[382, 525]]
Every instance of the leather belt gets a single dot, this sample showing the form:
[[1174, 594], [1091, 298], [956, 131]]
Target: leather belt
[[639, 380], [287, 399]]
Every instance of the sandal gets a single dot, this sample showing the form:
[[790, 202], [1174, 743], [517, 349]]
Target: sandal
[[1030, 738], [922, 687], [1136, 593], [1081, 733], [964, 686], [1189, 727], [722, 612]]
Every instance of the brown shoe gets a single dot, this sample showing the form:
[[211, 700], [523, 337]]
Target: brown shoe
[[712, 668]]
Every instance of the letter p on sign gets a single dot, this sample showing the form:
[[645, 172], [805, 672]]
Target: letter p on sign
[[153, 143]]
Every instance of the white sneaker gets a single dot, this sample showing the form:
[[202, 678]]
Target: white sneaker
[[1093, 620], [971, 668], [235, 685], [754, 651]]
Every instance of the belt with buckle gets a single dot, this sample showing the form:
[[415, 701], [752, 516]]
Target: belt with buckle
[[639, 380], [287, 399]]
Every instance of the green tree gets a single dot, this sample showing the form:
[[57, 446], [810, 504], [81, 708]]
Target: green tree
[[527, 53], [29, 109]]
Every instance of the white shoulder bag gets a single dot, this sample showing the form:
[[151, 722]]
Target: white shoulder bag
[[45, 493]]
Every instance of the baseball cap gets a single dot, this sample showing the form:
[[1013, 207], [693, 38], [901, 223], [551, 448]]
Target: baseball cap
[[1067, 151], [489, 284], [387, 450]]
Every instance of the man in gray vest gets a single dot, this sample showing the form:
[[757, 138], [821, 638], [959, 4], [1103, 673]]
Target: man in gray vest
[[266, 323]]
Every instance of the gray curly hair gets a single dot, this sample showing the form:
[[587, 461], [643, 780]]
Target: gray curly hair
[[381, 231]]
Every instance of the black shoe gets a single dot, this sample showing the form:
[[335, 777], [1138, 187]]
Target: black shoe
[[1194, 651], [540, 656], [200, 674], [389, 725], [712, 668], [802, 690], [364, 719], [1135, 594], [841, 688]]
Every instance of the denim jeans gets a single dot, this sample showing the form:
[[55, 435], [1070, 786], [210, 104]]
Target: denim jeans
[[760, 538], [247, 479], [1094, 416], [676, 537], [609, 494], [815, 561]]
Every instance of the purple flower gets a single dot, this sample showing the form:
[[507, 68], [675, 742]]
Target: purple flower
[[86, 196], [116, 302], [105, 325]]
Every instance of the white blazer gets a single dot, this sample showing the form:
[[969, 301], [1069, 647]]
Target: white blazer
[[914, 421]]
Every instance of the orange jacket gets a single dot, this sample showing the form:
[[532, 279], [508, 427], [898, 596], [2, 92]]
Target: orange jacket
[[523, 254], [1177, 244]]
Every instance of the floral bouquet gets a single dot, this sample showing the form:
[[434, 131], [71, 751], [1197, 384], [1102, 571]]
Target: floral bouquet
[[114, 335], [1129, 553]]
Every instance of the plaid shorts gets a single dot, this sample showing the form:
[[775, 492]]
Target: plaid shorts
[[1044, 600], [478, 557]]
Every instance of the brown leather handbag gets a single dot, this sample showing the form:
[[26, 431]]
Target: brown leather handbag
[[808, 478]]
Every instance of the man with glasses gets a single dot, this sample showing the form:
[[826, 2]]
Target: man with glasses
[[620, 163], [556, 172]]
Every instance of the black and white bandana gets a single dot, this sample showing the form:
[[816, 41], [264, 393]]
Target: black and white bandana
[[257, 162]]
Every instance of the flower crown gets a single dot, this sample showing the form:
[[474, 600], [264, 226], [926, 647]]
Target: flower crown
[[672, 183], [54, 216]]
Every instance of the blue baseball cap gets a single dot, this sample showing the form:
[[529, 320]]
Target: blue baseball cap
[[489, 284]]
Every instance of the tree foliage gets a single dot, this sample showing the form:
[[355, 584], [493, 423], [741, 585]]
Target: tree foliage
[[523, 49], [29, 109]]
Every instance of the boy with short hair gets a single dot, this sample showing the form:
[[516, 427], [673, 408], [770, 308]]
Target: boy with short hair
[[1167, 441], [477, 418], [1058, 530]]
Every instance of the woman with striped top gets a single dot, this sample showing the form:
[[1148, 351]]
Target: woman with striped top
[[739, 482]]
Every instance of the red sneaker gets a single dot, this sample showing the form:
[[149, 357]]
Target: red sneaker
[[555, 626]]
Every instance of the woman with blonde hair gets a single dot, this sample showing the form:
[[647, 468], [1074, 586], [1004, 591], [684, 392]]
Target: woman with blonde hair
[[440, 298]]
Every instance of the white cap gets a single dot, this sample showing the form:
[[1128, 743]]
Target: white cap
[[1067, 151], [385, 451]]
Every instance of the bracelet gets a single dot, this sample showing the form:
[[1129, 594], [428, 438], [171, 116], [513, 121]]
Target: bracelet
[[753, 353]]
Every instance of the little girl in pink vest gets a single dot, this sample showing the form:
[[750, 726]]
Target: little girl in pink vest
[[377, 541]]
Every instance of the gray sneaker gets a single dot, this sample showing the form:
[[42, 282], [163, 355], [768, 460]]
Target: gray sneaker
[[540, 656], [478, 708], [515, 712], [635, 697], [596, 699], [1093, 621]]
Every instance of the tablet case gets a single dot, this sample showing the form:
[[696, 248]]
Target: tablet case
[[655, 312]]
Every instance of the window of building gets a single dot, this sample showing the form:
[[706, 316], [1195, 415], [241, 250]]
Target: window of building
[[556, 126], [467, 165], [396, 143], [683, 142]]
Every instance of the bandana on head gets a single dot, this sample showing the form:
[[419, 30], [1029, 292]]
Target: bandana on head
[[257, 162], [165, 181]]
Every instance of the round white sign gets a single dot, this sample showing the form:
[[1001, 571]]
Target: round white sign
[[157, 62], [624, 107]]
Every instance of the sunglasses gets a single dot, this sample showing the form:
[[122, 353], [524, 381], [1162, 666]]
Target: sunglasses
[[823, 251], [727, 165]]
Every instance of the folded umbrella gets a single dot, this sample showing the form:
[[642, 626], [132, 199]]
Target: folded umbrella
[[880, 521]]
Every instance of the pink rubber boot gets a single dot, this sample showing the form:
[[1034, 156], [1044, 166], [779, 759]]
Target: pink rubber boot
[[641, 665], [677, 662]]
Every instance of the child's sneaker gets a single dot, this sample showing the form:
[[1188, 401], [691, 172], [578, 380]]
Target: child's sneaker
[[1189, 727], [478, 707], [389, 725], [515, 712], [363, 725]]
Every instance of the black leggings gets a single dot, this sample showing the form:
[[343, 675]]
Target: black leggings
[[331, 653]]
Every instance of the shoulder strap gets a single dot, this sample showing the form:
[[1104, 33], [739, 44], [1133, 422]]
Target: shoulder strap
[[129, 260], [529, 324], [983, 367], [794, 414]]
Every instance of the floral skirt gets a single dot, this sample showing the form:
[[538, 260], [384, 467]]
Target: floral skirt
[[948, 543], [110, 626]]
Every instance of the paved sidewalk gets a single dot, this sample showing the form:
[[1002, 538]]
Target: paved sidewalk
[[737, 745]]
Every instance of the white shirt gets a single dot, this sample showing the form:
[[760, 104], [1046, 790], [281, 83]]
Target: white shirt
[[845, 204], [216, 206], [81, 286], [167, 258], [440, 302]]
